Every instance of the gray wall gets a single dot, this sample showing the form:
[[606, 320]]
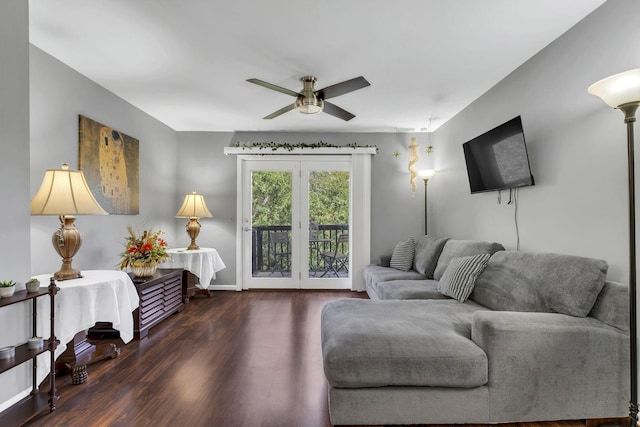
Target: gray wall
[[14, 174], [577, 148], [58, 95]]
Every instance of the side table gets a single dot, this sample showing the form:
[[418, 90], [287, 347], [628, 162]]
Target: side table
[[200, 267]]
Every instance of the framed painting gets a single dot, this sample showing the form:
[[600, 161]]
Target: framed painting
[[110, 162]]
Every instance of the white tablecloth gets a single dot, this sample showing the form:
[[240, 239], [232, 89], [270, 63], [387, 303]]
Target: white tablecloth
[[99, 296], [203, 262]]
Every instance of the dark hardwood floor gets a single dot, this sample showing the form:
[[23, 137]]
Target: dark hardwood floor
[[248, 358]]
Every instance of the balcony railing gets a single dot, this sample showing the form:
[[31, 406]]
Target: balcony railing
[[266, 254]]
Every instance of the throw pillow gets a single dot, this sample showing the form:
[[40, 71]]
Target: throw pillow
[[428, 251], [460, 276], [402, 256]]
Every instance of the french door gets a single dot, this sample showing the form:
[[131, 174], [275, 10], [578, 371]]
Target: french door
[[296, 218]]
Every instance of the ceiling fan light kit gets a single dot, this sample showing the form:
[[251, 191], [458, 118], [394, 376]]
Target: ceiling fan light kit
[[310, 101], [307, 102]]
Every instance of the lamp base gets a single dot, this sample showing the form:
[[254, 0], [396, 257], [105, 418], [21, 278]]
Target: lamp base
[[193, 229], [67, 274], [67, 241]]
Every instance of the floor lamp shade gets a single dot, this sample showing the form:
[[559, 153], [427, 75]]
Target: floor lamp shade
[[622, 91], [65, 193], [194, 208]]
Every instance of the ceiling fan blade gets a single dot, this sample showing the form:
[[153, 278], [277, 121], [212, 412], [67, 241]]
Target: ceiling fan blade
[[336, 111], [342, 88], [280, 111], [273, 87]]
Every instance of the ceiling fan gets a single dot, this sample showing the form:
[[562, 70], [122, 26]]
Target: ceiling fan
[[311, 101]]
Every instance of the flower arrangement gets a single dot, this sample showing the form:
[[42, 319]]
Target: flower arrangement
[[147, 249]]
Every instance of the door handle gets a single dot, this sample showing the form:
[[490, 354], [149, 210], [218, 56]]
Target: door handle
[[247, 228]]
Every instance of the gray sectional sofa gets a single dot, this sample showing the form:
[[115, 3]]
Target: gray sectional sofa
[[541, 337]]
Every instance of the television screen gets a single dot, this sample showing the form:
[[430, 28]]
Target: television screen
[[498, 159]]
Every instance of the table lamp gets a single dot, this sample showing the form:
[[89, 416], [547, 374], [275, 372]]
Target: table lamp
[[65, 193], [622, 91], [193, 208]]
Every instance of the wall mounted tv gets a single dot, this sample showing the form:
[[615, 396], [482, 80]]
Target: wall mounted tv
[[498, 159]]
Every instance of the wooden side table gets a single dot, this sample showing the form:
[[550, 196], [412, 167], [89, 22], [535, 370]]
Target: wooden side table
[[100, 295]]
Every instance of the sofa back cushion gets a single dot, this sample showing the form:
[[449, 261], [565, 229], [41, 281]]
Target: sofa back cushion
[[428, 250], [525, 281], [612, 305], [459, 248]]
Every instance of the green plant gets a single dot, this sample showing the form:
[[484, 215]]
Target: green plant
[[32, 280], [7, 283]]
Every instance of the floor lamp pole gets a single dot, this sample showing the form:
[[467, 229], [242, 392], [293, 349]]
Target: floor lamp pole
[[426, 180], [629, 111], [426, 174]]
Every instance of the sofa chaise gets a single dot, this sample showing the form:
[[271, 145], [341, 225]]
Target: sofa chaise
[[541, 337]]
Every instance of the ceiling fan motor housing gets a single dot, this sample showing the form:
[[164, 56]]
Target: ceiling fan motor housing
[[308, 102]]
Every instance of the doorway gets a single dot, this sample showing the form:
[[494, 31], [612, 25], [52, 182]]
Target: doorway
[[296, 222]]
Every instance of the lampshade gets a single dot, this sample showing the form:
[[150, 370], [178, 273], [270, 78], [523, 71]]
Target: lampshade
[[618, 89], [194, 207], [426, 173], [65, 192]]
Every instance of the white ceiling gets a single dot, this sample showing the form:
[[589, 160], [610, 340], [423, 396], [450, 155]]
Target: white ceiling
[[185, 62]]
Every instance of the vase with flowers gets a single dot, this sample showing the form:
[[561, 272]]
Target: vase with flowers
[[143, 252]]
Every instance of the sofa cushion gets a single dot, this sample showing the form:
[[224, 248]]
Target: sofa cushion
[[401, 343], [428, 250], [525, 281], [460, 276], [402, 256], [406, 289], [459, 248], [373, 274]]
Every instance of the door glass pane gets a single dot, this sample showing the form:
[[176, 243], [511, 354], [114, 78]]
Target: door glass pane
[[271, 201], [329, 224]]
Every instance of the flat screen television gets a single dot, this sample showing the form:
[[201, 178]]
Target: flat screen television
[[498, 159]]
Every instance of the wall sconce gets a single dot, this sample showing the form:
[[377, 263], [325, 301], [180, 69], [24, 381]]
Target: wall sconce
[[193, 208], [413, 159], [426, 175], [65, 193]]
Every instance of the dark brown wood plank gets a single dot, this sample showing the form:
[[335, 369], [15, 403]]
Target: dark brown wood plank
[[248, 358]]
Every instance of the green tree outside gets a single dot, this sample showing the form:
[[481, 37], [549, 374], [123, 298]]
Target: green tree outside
[[328, 198]]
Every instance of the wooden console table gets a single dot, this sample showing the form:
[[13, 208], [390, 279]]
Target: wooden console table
[[202, 263]]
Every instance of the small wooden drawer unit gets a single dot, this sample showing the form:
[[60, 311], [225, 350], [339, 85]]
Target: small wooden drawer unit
[[160, 297]]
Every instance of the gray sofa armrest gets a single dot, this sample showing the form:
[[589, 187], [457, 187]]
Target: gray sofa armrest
[[385, 261], [536, 357]]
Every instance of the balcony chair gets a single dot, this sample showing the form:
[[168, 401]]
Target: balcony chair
[[337, 259], [280, 250]]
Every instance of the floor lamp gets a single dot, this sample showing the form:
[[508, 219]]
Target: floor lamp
[[426, 175], [622, 91]]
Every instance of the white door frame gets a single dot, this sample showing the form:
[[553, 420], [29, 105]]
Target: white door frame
[[360, 233]]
